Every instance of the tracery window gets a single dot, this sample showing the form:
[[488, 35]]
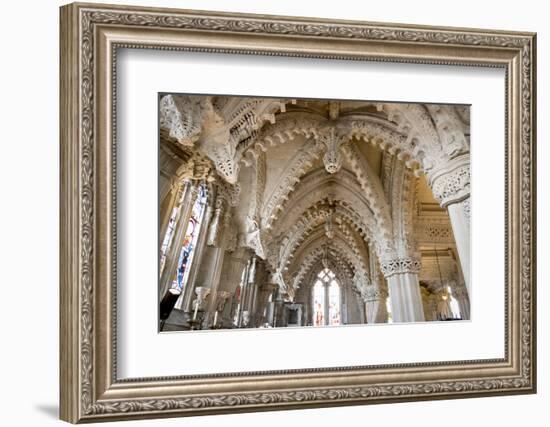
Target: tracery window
[[190, 240], [326, 299]]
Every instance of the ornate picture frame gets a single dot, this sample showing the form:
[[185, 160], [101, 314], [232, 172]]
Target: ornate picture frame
[[90, 37]]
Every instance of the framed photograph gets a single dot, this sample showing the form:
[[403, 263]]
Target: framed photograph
[[267, 212]]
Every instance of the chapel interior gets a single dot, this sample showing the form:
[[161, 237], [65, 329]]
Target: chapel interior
[[301, 212]]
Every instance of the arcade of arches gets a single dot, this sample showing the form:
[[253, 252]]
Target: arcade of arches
[[291, 212]]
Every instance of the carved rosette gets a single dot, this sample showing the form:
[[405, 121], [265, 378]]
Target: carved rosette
[[451, 182], [400, 266]]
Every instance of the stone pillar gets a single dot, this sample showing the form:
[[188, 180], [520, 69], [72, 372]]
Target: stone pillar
[[461, 295], [241, 308], [375, 304], [278, 309], [450, 185], [183, 302], [404, 289], [177, 194], [170, 269], [375, 294], [264, 292], [219, 302]]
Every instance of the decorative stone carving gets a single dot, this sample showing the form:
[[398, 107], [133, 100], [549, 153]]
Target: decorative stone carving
[[197, 168], [299, 165], [329, 226], [372, 188], [451, 128], [309, 265], [400, 265], [253, 238], [332, 157], [431, 230], [202, 293], [317, 190], [182, 116], [215, 229], [229, 192], [221, 300], [375, 304], [361, 279], [451, 182], [277, 278], [217, 125], [343, 241]]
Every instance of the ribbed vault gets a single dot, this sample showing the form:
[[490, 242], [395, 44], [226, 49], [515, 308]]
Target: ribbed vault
[[299, 185]]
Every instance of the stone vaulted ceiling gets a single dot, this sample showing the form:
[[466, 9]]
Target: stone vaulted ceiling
[[340, 183]]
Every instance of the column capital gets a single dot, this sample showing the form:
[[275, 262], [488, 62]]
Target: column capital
[[400, 265], [373, 293], [450, 182]]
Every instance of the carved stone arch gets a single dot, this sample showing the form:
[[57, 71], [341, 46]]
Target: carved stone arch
[[372, 188], [401, 190], [314, 187], [312, 225], [287, 128], [453, 131], [302, 162], [346, 190], [387, 137], [313, 217], [415, 121], [338, 265], [338, 242], [313, 258]]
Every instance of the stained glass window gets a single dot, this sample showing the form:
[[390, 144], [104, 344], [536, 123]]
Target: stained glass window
[[318, 304], [190, 240], [326, 299], [334, 303]]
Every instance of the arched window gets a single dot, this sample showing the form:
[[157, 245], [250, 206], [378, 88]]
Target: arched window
[[326, 299], [190, 240]]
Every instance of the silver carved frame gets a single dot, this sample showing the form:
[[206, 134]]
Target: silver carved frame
[[90, 36]]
